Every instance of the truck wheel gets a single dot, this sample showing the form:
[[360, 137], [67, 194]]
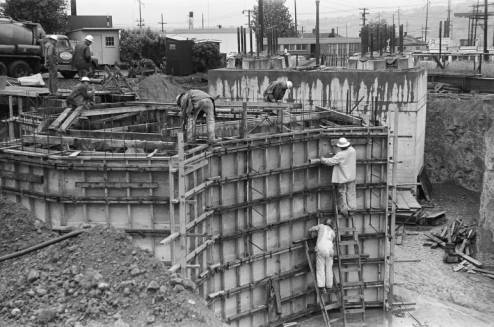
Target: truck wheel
[[19, 68], [3, 69], [68, 74]]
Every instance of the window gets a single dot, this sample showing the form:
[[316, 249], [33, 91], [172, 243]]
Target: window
[[172, 47], [110, 41]]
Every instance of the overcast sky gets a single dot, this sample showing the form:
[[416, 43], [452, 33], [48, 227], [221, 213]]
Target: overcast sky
[[227, 12]]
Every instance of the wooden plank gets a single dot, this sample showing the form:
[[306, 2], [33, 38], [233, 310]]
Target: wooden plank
[[56, 123], [24, 91], [401, 203], [410, 199], [120, 185], [470, 259], [340, 117], [72, 118], [22, 177], [115, 111]]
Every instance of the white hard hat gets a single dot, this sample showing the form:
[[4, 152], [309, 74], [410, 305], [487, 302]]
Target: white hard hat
[[342, 143], [85, 79], [289, 84], [53, 37], [89, 38]]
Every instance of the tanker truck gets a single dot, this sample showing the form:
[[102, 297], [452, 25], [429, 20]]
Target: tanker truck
[[22, 46]]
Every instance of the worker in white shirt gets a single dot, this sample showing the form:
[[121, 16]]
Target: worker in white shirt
[[324, 254], [344, 164]]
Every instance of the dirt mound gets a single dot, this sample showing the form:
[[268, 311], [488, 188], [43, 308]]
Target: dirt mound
[[165, 88], [19, 229], [97, 279]]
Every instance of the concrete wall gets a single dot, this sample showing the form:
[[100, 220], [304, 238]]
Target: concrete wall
[[376, 93]]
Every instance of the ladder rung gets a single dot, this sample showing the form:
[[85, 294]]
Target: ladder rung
[[348, 242], [356, 310], [331, 306], [357, 297], [349, 256], [353, 268], [352, 284], [346, 229]]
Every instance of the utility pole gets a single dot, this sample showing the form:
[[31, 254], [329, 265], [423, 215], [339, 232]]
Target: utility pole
[[486, 52], [140, 22], [202, 20], [250, 28], [162, 23], [318, 46], [296, 27], [364, 14], [261, 25], [399, 17], [426, 20], [447, 25]]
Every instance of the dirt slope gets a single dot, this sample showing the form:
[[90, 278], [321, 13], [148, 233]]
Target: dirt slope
[[95, 279]]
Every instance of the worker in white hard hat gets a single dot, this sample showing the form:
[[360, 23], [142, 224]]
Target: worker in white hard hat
[[51, 63], [80, 95], [276, 90], [82, 57], [344, 164], [324, 254], [193, 103]]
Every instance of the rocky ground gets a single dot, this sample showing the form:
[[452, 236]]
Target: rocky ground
[[95, 279]]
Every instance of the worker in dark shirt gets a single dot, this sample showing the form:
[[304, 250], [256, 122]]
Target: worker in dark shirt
[[51, 64], [193, 103], [80, 95], [276, 91], [82, 57]]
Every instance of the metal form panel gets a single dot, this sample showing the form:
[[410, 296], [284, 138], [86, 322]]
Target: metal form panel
[[245, 202], [230, 212]]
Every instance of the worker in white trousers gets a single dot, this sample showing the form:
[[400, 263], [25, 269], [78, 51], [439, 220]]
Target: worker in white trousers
[[324, 254], [344, 164]]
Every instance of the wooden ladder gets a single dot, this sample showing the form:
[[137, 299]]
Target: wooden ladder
[[348, 263], [325, 305]]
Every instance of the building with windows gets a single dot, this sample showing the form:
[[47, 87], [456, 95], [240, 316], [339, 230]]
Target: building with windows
[[341, 47]]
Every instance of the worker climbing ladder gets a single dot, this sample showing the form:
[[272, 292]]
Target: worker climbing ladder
[[351, 292], [323, 298]]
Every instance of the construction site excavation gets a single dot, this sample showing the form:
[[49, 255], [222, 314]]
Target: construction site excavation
[[257, 176]]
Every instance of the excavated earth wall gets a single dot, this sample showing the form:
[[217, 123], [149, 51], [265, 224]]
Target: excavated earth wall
[[459, 147]]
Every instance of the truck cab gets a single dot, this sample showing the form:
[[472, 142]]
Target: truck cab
[[65, 53]]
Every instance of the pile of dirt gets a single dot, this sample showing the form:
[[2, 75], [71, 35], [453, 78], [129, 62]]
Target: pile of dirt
[[97, 279], [19, 229]]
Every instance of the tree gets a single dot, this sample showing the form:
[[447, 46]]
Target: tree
[[50, 14], [205, 56], [136, 44], [277, 16]]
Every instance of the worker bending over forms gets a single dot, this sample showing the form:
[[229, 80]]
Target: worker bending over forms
[[192, 103], [344, 164], [324, 255], [276, 91], [80, 95]]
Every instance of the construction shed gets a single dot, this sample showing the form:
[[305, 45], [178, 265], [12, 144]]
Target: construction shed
[[106, 45]]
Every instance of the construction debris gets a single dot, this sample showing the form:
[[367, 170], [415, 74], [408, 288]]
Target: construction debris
[[457, 239]]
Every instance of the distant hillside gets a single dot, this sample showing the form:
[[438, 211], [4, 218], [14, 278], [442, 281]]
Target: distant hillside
[[413, 21]]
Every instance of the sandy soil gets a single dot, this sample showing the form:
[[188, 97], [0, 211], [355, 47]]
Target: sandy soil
[[443, 298]]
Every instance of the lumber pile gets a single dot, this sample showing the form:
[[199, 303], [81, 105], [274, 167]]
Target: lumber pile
[[466, 266], [457, 239]]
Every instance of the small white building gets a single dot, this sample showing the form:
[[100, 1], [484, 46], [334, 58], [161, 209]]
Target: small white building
[[106, 45]]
